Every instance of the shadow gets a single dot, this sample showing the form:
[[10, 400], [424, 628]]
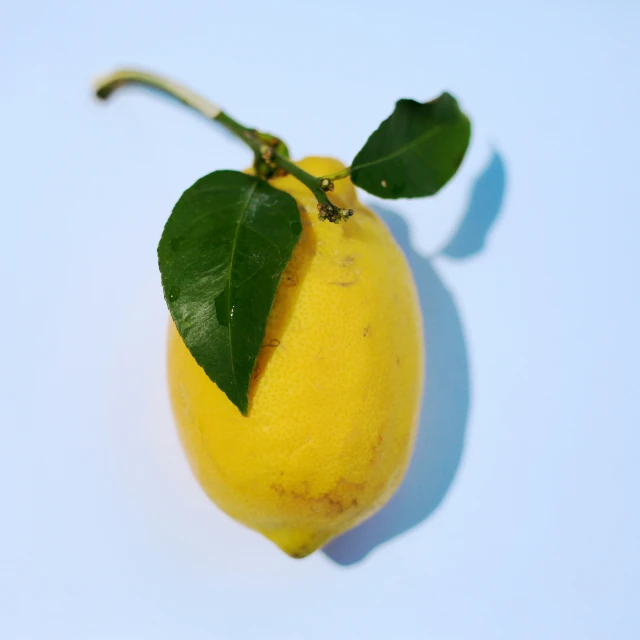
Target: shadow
[[482, 211], [446, 395]]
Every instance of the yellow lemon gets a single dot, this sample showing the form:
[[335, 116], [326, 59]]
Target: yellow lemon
[[335, 394]]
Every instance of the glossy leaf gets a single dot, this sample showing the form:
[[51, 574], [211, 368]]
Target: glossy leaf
[[221, 255], [415, 151]]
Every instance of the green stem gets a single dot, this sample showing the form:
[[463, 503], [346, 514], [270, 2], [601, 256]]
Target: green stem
[[311, 182], [249, 137], [106, 85], [338, 175]]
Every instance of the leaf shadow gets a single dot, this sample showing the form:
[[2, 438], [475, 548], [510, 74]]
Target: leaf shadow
[[485, 204], [446, 395]]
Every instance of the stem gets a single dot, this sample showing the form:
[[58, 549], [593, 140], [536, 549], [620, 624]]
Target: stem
[[106, 85], [311, 182], [338, 175]]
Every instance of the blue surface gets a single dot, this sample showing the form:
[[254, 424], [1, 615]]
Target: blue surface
[[519, 516]]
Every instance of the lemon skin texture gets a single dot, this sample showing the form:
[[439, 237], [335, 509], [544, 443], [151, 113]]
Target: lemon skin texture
[[335, 394]]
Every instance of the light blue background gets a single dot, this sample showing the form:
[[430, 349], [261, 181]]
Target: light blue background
[[103, 532]]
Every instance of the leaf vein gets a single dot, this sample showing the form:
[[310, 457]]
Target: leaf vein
[[416, 141], [233, 251]]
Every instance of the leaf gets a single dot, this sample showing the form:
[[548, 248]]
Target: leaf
[[415, 151], [221, 255]]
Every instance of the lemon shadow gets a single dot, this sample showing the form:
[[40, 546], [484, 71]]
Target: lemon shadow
[[447, 390]]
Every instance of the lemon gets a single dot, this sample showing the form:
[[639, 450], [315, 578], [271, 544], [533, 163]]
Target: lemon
[[335, 394]]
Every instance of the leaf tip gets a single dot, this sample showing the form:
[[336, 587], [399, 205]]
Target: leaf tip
[[241, 402]]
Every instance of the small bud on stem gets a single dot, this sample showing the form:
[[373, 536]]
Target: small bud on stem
[[326, 185], [333, 214]]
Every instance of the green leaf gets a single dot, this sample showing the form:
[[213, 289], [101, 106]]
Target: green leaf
[[415, 151], [221, 255]]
